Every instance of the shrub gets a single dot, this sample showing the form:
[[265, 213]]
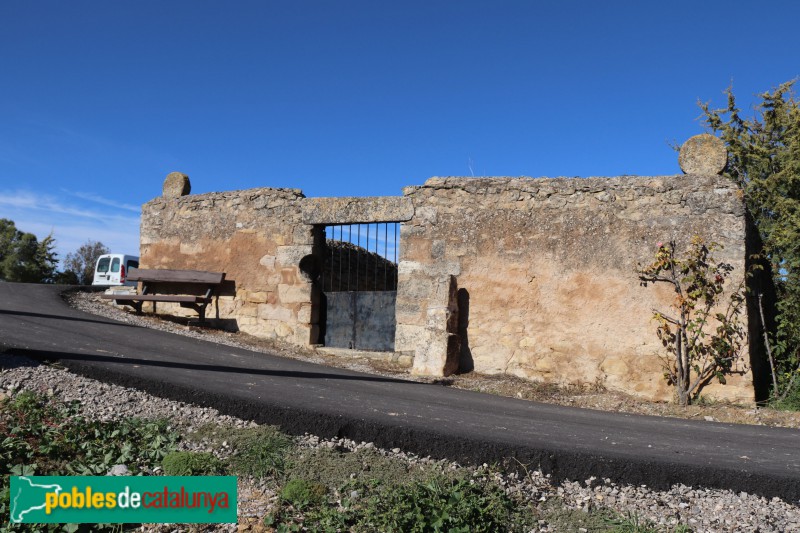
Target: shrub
[[259, 451], [302, 493], [192, 464], [436, 504], [442, 505], [790, 399]]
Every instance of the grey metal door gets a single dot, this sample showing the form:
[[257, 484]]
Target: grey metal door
[[359, 286], [360, 320]]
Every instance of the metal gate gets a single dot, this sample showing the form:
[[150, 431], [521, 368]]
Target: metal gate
[[359, 286]]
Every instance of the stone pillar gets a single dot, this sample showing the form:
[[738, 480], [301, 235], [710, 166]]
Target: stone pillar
[[439, 346]]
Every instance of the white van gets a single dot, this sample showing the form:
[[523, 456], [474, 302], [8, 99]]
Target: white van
[[112, 268]]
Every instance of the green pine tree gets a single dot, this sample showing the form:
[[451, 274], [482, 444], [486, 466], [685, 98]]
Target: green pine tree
[[764, 159], [23, 258]]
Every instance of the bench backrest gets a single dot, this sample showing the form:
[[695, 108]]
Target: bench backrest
[[175, 276]]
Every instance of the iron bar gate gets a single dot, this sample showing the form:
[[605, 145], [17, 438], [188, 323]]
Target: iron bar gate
[[359, 285]]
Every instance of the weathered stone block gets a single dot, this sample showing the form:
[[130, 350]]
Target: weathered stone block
[[256, 297], [437, 317], [275, 312], [407, 337], [357, 210], [294, 294], [283, 330], [410, 312], [176, 185], [308, 314], [615, 366], [408, 268], [289, 276], [290, 256], [305, 334], [248, 311], [303, 234], [438, 355], [527, 342], [415, 288], [444, 293]]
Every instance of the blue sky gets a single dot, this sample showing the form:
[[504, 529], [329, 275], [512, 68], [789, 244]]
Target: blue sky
[[101, 100]]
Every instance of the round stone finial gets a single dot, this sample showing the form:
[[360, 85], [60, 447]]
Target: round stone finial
[[176, 185], [703, 154]]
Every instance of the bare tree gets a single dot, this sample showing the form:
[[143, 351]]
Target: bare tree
[[82, 261]]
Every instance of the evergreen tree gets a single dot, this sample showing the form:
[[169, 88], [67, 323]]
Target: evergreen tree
[[23, 258], [764, 159]]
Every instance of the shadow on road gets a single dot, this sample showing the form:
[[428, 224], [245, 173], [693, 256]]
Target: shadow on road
[[48, 355], [62, 317], [9, 361]]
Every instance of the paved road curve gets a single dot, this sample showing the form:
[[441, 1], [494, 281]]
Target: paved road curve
[[426, 419]]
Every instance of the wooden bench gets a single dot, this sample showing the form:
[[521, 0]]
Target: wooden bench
[[155, 279]]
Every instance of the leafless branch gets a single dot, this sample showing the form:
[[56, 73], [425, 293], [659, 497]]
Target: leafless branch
[[766, 343]]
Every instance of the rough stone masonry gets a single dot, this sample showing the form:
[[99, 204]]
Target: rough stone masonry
[[534, 277]]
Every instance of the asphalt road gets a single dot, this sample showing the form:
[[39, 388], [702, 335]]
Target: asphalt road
[[435, 420]]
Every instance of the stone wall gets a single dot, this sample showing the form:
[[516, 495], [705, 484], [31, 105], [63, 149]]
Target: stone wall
[[256, 237], [545, 275], [523, 276], [269, 242]]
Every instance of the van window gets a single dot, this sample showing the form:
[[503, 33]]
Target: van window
[[115, 265], [102, 265], [133, 264]]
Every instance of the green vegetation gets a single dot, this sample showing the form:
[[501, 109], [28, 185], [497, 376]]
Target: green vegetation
[[465, 504], [23, 258], [328, 489], [321, 489], [259, 451], [192, 464], [26, 260], [438, 503], [302, 493], [699, 351], [45, 437], [764, 160], [335, 468]]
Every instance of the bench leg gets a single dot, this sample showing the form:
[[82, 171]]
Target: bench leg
[[200, 308]]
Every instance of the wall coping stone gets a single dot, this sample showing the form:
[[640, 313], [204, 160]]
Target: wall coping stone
[[357, 210], [281, 192], [572, 184]]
